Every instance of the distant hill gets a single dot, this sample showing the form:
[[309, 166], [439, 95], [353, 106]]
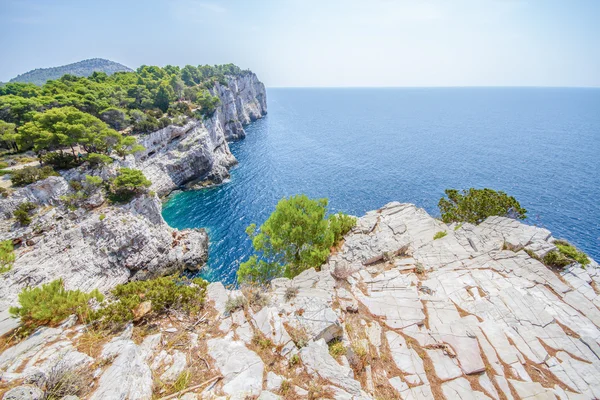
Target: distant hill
[[39, 76]]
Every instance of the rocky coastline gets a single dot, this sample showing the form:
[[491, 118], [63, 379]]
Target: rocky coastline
[[394, 313], [398, 311], [101, 246]]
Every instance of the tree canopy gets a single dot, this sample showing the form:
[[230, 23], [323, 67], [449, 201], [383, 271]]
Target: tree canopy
[[297, 236], [90, 111], [475, 205]]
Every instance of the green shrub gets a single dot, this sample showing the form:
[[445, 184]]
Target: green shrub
[[439, 235], [571, 252], [98, 160], [169, 292], [566, 254], [7, 256], [27, 175], [5, 172], [61, 160], [101, 217], [127, 184], [51, 303], [336, 348], [23, 212], [5, 192], [297, 236], [475, 205]]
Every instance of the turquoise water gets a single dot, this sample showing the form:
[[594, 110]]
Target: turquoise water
[[362, 148]]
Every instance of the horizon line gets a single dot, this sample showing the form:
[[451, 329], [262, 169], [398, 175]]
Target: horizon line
[[436, 87]]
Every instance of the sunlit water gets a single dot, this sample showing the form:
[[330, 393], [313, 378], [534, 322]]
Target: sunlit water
[[362, 148]]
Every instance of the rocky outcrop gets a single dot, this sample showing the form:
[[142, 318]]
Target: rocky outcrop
[[394, 313], [99, 248], [198, 151]]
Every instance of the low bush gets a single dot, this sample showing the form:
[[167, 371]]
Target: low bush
[[62, 160], [51, 303], [63, 380], [234, 303], [475, 205], [27, 175], [7, 256], [83, 191], [98, 160], [4, 192], [439, 235], [127, 184], [169, 292], [336, 348], [566, 255], [23, 212]]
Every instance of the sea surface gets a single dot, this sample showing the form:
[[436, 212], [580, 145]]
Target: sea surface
[[363, 148]]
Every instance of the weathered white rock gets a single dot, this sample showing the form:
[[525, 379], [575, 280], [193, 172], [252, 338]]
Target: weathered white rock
[[24, 392], [241, 368], [132, 241], [129, 376], [177, 367], [274, 381], [318, 361], [461, 389]]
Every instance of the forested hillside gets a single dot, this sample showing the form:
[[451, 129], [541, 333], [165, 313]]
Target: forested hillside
[[40, 76], [97, 113]]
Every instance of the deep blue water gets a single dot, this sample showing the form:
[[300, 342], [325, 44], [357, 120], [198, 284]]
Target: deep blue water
[[362, 148]]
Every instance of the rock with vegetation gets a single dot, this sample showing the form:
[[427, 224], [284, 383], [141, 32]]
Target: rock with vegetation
[[474, 313]]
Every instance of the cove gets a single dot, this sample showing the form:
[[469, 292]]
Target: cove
[[362, 148]]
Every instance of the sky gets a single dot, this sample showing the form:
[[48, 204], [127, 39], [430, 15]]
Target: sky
[[319, 43]]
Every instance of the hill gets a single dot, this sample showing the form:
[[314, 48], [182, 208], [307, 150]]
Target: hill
[[39, 76]]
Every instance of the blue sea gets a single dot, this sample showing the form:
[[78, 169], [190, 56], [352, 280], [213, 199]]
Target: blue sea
[[362, 148]]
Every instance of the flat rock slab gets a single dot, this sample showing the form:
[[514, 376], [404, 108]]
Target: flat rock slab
[[242, 369], [318, 361]]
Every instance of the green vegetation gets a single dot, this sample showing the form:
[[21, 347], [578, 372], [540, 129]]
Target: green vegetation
[[439, 235], [475, 205], [7, 256], [82, 68], [27, 175], [336, 348], [169, 292], [51, 303], [98, 160], [297, 236], [566, 255], [127, 184], [82, 191], [23, 212]]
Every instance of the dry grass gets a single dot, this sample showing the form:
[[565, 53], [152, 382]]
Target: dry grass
[[62, 380], [91, 342]]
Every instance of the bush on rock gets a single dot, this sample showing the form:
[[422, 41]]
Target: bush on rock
[[475, 205], [127, 184], [51, 303], [297, 236]]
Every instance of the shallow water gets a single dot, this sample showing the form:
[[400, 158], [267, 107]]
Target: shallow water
[[362, 148]]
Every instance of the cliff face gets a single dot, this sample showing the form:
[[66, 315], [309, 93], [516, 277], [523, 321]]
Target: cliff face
[[101, 246], [176, 156], [471, 315]]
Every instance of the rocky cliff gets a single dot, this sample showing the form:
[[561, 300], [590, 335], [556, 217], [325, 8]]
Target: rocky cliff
[[101, 245], [393, 314], [198, 151]]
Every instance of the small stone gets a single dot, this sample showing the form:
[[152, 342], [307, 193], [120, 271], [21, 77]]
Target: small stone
[[25, 392], [142, 309], [171, 330]]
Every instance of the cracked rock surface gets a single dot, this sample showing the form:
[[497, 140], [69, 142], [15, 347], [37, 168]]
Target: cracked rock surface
[[393, 314]]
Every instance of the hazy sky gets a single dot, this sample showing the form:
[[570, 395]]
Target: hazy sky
[[319, 42]]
